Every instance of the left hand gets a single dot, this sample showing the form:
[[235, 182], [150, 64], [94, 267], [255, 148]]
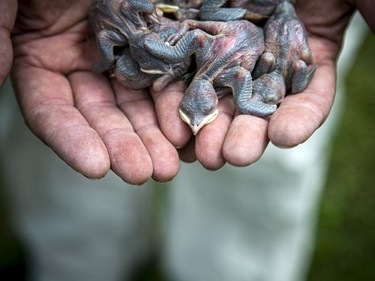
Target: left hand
[[242, 139]]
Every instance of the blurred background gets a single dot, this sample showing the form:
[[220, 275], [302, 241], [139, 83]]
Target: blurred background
[[345, 245]]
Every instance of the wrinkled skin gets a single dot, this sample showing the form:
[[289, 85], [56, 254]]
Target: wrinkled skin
[[207, 10], [286, 64], [214, 10], [124, 24], [128, 66], [114, 25], [75, 111], [225, 57], [257, 9], [92, 123], [180, 9], [223, 10]]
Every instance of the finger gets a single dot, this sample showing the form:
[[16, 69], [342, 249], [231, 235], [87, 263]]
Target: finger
[[47, 104], [246, 140], [95, 99], [210, 139], [139, 108], [167, 103], [300, 115], [8, 16]]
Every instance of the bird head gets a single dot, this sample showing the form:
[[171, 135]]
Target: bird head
[[199, 105]]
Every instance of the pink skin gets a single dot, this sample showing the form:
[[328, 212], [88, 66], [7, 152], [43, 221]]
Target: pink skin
[[81, 115], [261, 7], [52, 55]]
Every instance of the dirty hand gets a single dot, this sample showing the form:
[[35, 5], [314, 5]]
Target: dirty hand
[[92, 123], [242, 139]]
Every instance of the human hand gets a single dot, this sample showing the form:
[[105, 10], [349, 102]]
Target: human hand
[[6, 24], [242, 139], [92, 123]]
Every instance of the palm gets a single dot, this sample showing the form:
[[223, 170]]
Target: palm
[[74, 110]]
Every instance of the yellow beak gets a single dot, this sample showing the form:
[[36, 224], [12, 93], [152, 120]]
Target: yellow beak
[[197, 127]]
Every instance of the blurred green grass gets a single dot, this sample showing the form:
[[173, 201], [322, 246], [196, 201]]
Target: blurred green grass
[[345, 246], [12, 257]]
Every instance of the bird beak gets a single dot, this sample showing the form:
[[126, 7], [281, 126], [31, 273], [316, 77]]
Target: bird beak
[[167, 8], [197, 127]]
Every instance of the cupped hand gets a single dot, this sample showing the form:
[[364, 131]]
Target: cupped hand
[[242, 139], [93, 123]]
